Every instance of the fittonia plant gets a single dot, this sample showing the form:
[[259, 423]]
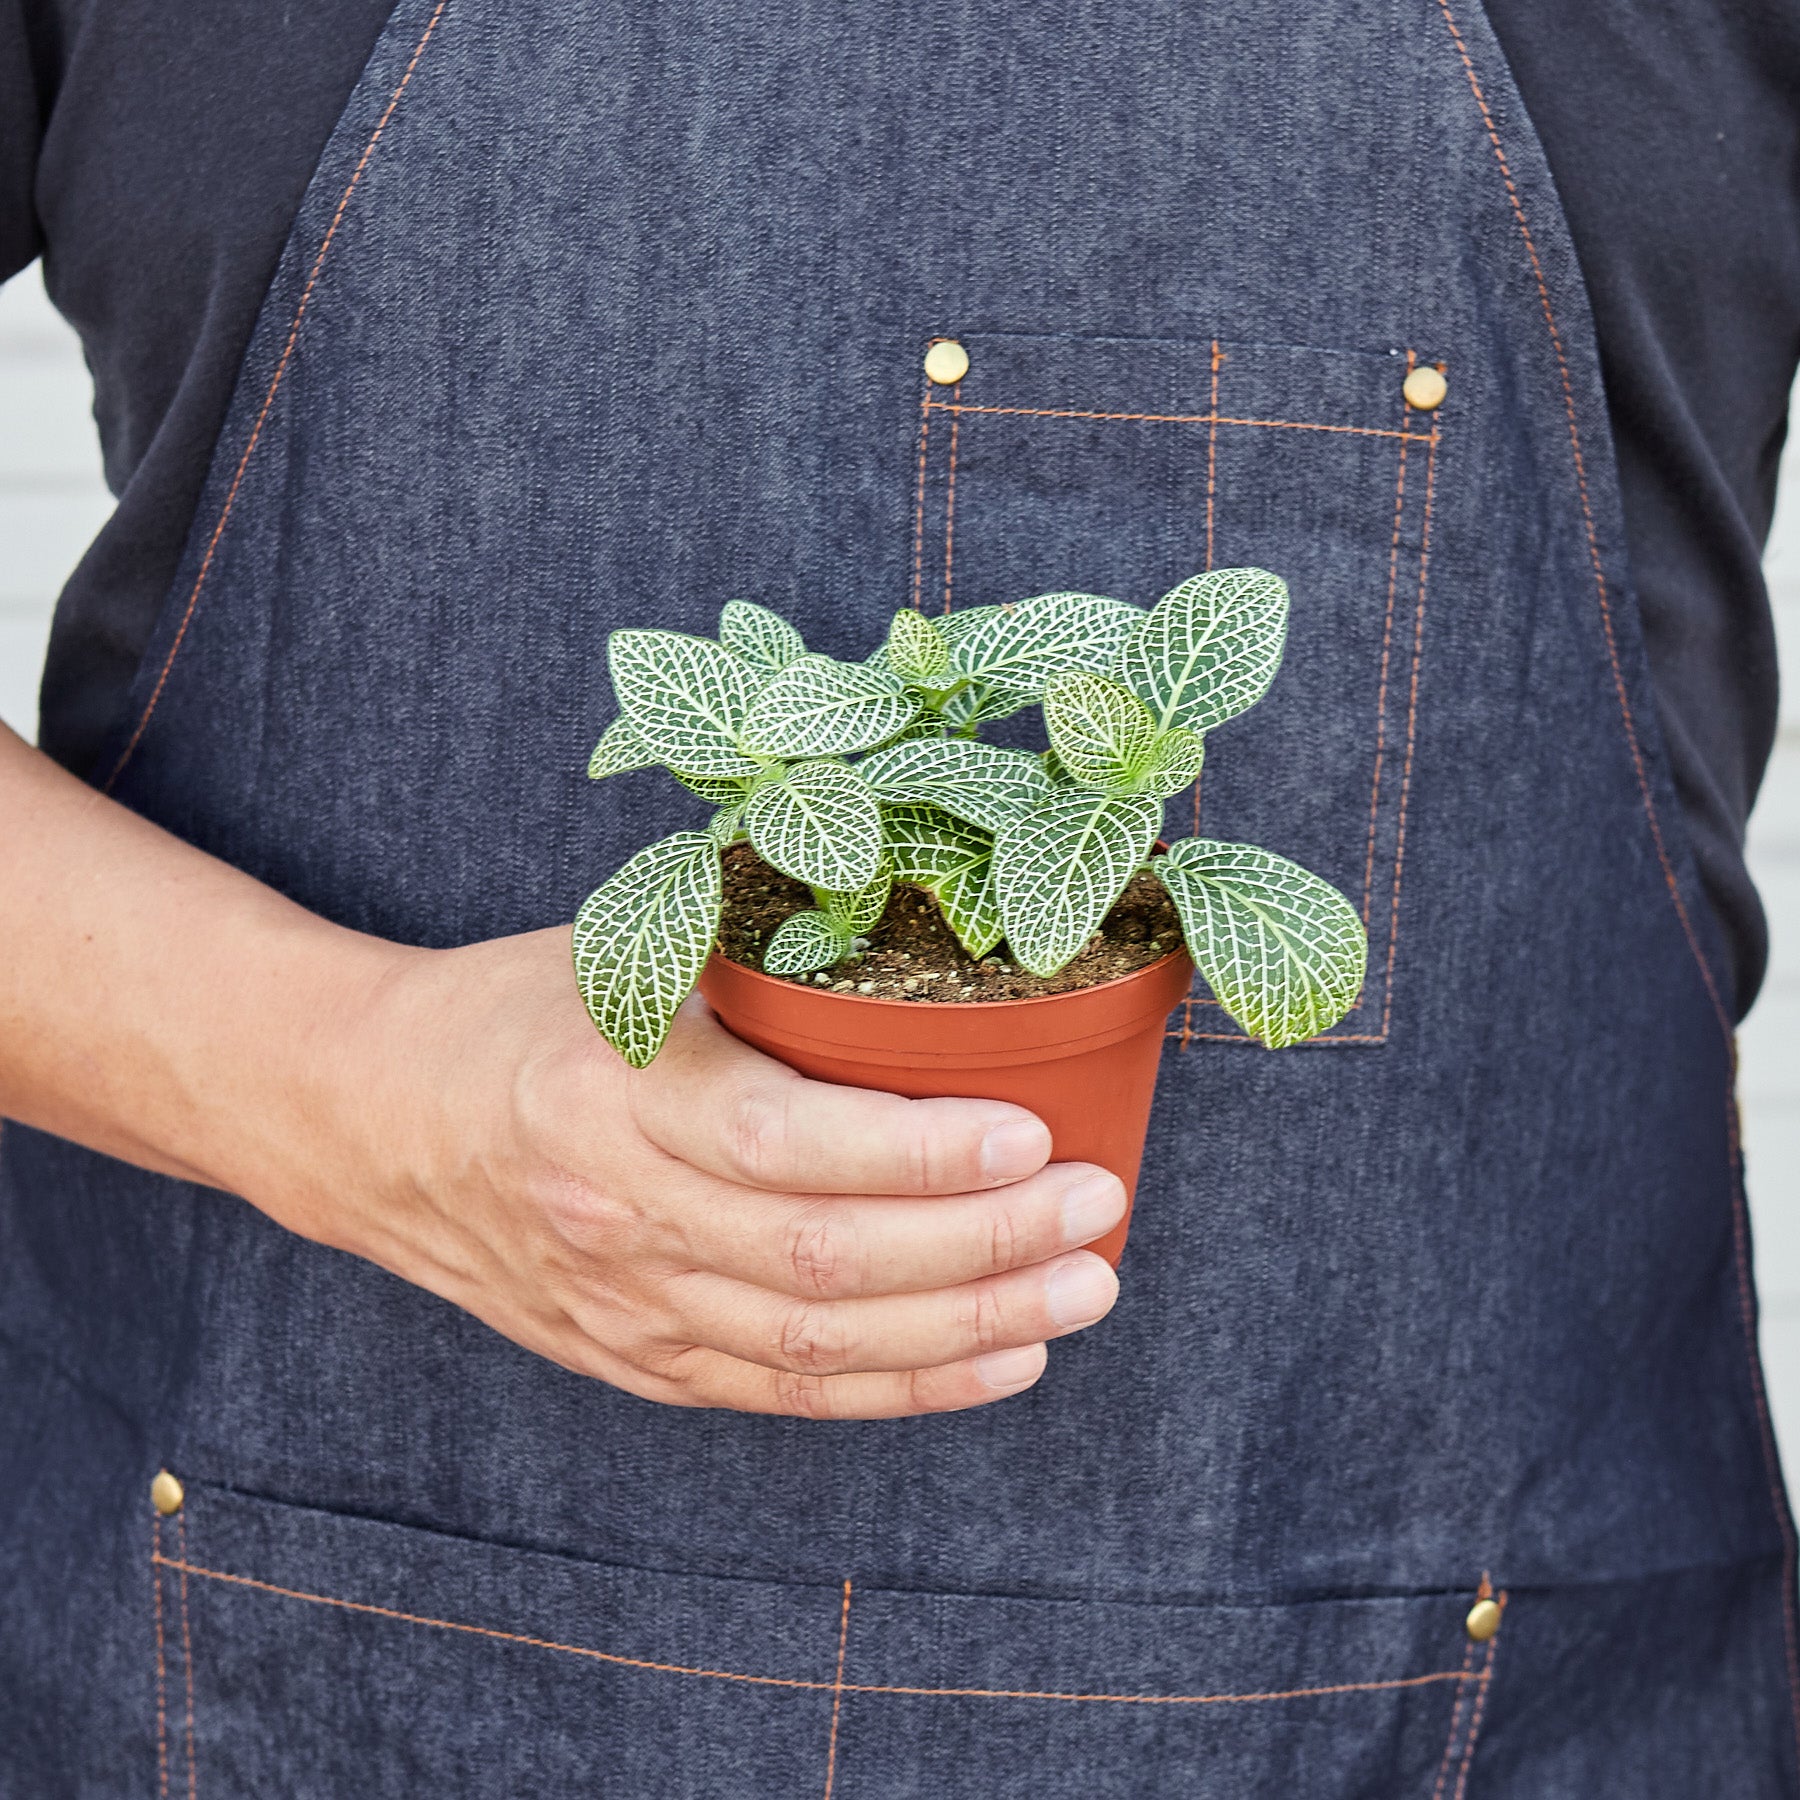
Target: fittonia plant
[[853, 776]]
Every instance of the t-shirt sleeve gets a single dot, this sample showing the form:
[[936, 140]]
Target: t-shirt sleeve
[[29, 32]]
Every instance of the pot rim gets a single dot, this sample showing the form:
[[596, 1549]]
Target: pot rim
[[785, 984]]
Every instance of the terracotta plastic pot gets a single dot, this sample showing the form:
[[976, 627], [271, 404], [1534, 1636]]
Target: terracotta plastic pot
[[1084, 1062]]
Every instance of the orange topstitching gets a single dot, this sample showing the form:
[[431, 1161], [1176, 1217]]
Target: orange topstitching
[[1481, 1695], [950, 501], [918, 582], [837, 1695], [162, 1708], [1456, 1713], [1412, 721], [1186, 1034], [268, 401], [1746, 1300], [1205, 418], [836, 1687], [1387, 639], [187, 1656]]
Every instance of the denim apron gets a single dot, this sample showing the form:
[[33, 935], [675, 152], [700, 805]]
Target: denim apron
[[600, 316]]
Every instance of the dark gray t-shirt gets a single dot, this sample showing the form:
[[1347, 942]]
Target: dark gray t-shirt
[[155, 156]]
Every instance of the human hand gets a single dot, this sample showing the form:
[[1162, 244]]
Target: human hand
[[714, 1230]]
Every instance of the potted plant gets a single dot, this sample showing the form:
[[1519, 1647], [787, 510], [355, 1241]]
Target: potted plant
[[869, 857]]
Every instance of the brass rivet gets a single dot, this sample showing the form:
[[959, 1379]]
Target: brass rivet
[[946, 362], [1483, 1620], [165, 1493], [1425, 388]]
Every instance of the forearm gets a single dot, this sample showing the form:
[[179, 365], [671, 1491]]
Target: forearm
[[156, 1003]]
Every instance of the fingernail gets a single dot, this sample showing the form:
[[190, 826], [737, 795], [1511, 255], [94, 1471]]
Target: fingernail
[[1080, 1291], [1011, 1368], [1014, 1150], [1091, 1207]]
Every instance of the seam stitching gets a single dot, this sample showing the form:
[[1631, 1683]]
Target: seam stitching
[[1456, 1713], [1387, 643], [1412, 720], [1187, 1035], [918, 580], [792, 1682], [1481, 1696], [162, 1705], [950, 503], [1771, 1462], [187, 1656], [837, 1691], [1205, 418], [1587, 513], [268, 401]]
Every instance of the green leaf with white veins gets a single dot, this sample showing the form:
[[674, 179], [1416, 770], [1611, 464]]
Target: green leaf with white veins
[[759, 636], [804, 942], [723, 827], [1102, 733], [952, 861], [916, 649], [978, 703], [858, 910], [1209, 648], [820, 823], [685, 697], [642, 938], [1060, 868], [984, 783], [1282, 951], [1174, 763], [1020, 647], [620, 749], [721, 790], [819, 707]]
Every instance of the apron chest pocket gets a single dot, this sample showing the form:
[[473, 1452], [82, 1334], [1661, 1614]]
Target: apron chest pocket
[[1122, 465]]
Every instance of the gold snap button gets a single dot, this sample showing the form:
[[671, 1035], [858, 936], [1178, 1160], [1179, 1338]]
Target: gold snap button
[[1484, 1618], [946, 362], [165, 1493], [1425, 388]]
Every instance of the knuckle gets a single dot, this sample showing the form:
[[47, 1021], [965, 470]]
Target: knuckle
[[804, 1396], [922, 1392], [756, 1131], [983, 1321], [809, 1342], [1007, 1239], [817, 1253]]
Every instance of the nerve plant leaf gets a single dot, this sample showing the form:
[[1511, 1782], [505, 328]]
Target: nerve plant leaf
[[1102, 733], [1059, 869], [981, 702], [916, 650], [1209, 648], [858, 910], [620, 749], [720, 790], [641, 939], [759, 636], [820, 823], [723, 827], [685, 697], [1282, 951], [1174, 763], [819, 707], [984, 783], [804, 942], [1018, 648], [953, 862]]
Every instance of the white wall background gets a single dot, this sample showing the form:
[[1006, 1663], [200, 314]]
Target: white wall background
[[52, 501]]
